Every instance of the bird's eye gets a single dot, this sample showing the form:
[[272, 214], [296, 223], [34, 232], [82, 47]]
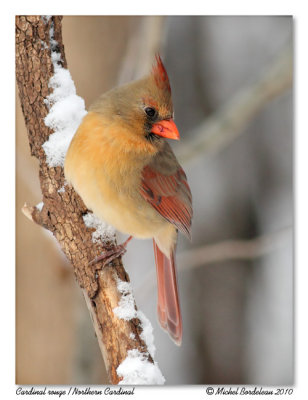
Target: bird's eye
[[150, 112]]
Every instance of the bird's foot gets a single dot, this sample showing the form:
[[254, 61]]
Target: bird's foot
[[112, 254]]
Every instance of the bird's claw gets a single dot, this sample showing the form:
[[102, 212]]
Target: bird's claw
[[109, 255]]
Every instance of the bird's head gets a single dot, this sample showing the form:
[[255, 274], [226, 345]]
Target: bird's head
[[145, 106]]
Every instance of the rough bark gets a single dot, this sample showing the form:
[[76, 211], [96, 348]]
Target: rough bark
[[63, 211]]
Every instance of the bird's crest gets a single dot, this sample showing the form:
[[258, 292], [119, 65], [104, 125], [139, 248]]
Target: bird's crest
[[160, 74]]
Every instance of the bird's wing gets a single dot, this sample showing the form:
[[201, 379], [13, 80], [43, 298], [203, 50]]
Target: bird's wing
[[164, 186]]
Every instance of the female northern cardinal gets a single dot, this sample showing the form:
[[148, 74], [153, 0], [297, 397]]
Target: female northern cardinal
[[126, 173]]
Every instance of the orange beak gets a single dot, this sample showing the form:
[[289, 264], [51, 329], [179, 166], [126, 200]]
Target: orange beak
[[167, 129]]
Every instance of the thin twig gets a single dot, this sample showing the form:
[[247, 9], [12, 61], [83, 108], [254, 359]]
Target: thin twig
[[228, 250], [224, 126], [232, 250]]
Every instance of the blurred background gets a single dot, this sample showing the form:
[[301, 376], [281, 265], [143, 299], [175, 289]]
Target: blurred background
[[231, 80]]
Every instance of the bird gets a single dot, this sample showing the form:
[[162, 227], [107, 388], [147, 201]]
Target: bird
[[121, 164]]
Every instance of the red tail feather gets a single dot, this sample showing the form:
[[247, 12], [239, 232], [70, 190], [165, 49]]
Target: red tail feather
[[169, 313]]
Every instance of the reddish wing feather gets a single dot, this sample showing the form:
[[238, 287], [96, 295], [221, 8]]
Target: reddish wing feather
[[169, 195]]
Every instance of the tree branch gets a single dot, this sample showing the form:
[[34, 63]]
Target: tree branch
[[224, 126], [38, 44]]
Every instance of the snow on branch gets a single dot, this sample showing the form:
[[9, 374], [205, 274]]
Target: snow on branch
[[66, 109], [136, 368], [102, 231], [126, 310]]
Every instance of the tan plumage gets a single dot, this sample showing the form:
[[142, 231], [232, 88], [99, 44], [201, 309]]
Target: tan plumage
[[127, 174]]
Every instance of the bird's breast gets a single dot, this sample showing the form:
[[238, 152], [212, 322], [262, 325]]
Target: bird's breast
[[106, 173]]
